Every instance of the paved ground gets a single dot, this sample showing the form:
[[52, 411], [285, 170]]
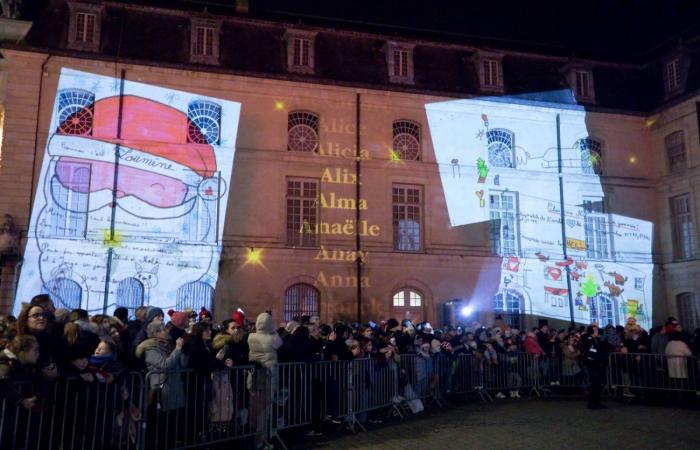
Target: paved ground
[[529, 423]]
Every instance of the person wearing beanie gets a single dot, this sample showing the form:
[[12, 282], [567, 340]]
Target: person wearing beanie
[[204, 314], [238, 317], [153, 314], [179, 319]]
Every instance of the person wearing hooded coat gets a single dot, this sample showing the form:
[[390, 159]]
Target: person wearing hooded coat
[[263, 345]]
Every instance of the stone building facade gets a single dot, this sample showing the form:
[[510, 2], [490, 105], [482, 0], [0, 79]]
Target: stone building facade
[[310, 93]]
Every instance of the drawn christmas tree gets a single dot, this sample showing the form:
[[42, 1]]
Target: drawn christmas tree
[[483, 169], [589, 287]]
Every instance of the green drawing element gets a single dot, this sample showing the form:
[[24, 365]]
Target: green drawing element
[[482, 168], [588, 287]]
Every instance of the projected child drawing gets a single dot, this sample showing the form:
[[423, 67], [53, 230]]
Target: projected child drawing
[[132, 196], [513, 149]]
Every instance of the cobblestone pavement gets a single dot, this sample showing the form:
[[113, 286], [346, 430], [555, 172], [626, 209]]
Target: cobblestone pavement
[[531, 423]]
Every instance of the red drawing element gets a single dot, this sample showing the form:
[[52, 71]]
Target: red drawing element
[[619, 279], [541, 257], [154, 128], [485, 119], [209, 191], [582, 265], [554, 273], [513, 264], [556, 291], [614, 290], [576, 275], [569, 261], [155, 189]]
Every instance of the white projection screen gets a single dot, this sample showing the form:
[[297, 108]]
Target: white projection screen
[[499, 164], [131, 198]]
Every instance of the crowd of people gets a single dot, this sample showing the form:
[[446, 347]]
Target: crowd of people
[[44, 345]]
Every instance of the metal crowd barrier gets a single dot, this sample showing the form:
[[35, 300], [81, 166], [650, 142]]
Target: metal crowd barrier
[[76, 413], [559, 371], [187, 408], [630, 372]]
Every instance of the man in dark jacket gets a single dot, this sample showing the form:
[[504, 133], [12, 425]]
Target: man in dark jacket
[[595, 352]]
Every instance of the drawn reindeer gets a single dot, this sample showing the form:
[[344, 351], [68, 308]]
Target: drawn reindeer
[[614, 290]]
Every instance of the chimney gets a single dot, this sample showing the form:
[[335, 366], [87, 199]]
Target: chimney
[[242, 6]]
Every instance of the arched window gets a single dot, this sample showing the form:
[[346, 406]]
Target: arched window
[[203, 122], [500, 146], [130, 293], [194, 295], [604, 310], [406, 140], [64, 292], [300, 299], [688, 310], [591, 156], [69, 192], [75, 112], [302, 131], [408, 298], [509, 304]]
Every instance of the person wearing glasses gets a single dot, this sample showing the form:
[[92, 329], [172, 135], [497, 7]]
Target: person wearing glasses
[[34, 321]]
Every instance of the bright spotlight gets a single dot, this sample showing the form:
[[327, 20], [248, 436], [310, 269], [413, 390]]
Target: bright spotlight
[[467, 311]]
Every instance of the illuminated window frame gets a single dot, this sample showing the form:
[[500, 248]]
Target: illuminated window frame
[[591, 154], [302, 212], [407, 298], [301, 299], [406, 142], [596, 226], [582, 82], [503, 223], [407, 205], [85, 26], [501, 147], [303, 129], [489, 69]]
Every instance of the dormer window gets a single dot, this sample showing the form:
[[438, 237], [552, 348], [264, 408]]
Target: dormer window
[[490, 70], [580, 78], [204, 37], [672, 74], [84, 26], [583, 84], [300, 51], [400, 62]]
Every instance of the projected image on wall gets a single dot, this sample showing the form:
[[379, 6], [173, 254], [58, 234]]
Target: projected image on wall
[[132, 194], [499, 165]]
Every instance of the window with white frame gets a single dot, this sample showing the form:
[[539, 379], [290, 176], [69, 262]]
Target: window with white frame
[[302, 131], [407, 298], [591, 153], [673, 74], [595, 225], [683, 228], [302, 212], [675, 151], [500, 147], [583, 84], [204, 37], [84, 26], [688, 310], [300, 51], [491, 73], [406, 217], [406, 140], [503, 225], [400, 62]]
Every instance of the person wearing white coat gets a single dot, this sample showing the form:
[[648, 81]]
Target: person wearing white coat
[[677, 353]]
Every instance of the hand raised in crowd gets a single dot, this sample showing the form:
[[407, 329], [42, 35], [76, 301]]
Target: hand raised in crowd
[[179, 343]]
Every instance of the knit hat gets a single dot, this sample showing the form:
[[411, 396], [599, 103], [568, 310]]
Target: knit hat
[[292, 326], [238, 317], [152, 313], [179, 319], [204, 314]]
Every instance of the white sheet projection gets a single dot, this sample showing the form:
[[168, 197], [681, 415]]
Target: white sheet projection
[[499, 164], [132, 196]]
